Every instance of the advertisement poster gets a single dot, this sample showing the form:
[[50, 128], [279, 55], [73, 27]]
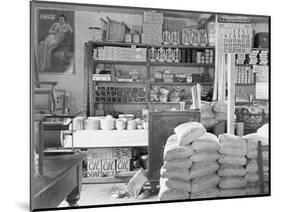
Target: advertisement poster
[[55, 41]]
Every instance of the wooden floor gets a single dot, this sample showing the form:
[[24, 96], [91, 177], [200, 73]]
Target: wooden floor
[[100, 194]]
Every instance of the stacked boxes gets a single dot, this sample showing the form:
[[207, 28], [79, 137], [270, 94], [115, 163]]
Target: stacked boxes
[[263, 57], [152, 28], [106, 162], [204, 57], [253, 57], [244, 75], [121, 53]]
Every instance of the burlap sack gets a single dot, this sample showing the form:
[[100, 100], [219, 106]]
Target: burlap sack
[[210, 193], [252, 165], [232, 145], [203, 169], [189, 132], [204, 183], [176, 184], [206, 143], [184, 163], [172, 150], [177, 173], [205, 157], [252, 177], [232, 182], [230, 170], [232, 192], [232, 160], [166, 193]]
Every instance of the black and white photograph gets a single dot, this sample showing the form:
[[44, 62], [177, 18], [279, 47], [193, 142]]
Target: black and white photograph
[[137, 105]]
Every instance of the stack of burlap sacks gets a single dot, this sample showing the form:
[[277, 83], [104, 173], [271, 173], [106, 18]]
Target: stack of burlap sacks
[[190, 164], [232, 160], [252, 176]]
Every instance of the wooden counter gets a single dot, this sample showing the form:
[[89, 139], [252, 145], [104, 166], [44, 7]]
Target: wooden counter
[[62, 179]]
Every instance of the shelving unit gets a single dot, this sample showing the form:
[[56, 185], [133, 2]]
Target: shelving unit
[[91, 65]]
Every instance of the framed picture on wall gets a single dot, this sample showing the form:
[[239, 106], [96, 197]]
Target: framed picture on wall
[[55, 43]]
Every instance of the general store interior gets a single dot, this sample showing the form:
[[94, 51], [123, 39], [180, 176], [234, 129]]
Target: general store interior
[[100, 129]]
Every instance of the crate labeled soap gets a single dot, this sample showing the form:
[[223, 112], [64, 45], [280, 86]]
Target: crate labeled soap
[[123, 165], [108, 168], [94, 168]]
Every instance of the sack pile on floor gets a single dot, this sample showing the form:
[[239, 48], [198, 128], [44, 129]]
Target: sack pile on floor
[[233, 150], [204, 179], [175, 173], [220, 110], [252, 175]]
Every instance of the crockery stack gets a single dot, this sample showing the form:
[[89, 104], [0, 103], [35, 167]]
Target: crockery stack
[[233, 150], [204, 179]]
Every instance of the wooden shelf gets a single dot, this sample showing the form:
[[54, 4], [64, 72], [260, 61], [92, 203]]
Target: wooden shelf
[[120, 44], [121, 103], [120, 62], [245, 84], [181, 83], [119, 82], [182, 64]]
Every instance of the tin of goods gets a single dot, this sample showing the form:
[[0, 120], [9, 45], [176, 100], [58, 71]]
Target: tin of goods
[[183, 55], [203, 37], [186, 36], [107, 123], [189, 78], [92, 123], [128, 38], [177, 55], [166, 38], [152, 54]]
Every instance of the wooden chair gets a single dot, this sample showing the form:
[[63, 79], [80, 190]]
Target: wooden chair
[[261, 164]]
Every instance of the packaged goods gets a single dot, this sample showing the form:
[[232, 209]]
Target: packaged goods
[[232, 192], [174, 183], [202, 169], [206, 110], [220, 106], [252, 177], [189, 132], [208, 122], [253, 188], [210, 193], [184, 163], [232, 182], [206, 143], [173, 151], [254, 153], [230, 170], [232, 145], [253, 138], [205, 157], [232, 160], [166, 193], [252, 165], [178, 173], [220, 116], [204, 183]]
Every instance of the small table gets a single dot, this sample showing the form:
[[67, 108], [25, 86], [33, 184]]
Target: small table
[[62, 179]]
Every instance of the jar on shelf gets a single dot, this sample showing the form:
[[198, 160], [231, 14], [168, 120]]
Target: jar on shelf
[[161, 54], [175, 38], [166, 38], [128, 38], [177, 55], [136, 37], [169, 55], [186, 36], [203, 37], [152, 54]]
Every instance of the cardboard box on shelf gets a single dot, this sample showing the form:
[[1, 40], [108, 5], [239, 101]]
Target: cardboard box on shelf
[[152, 17]]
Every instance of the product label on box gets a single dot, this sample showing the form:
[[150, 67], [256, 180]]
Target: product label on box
[[94, 168], [122, 165], [108, 168], [123, 153]]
